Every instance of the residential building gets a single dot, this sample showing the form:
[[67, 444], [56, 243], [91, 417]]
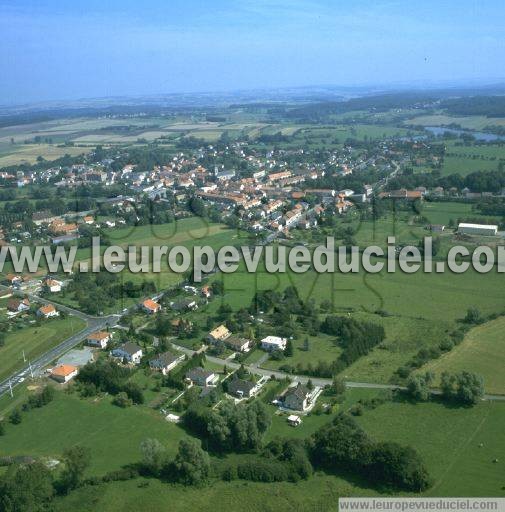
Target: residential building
[[201, 377], [52, 285], [150, 306], [47, 311], [129, 352], [99, 339], [18, 306], [64, 373], [43, 217], [271, 343], [297, 397], [13, 279], [220, 333], [186, 304], [238, 344], [165, 362], [241, 388]]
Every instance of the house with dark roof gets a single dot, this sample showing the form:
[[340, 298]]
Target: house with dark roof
[[201, 377], [241, 388], [238, 344], [297, 397], [165, 362], [129, 352], [15, 306], [186, 304]]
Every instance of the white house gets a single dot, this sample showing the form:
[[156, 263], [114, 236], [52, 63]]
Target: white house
[[52, 285], [47, 311], [128, 351], [201, 377], [271, 343], [64, 373], [99, 339], [165, 362]]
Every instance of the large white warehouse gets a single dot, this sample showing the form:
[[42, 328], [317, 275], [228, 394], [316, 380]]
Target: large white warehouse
[[477, 229]]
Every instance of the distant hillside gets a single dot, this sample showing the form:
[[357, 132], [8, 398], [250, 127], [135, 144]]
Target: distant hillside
[[490, 106]]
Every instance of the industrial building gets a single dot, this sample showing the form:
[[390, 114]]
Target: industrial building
[[477, 229]]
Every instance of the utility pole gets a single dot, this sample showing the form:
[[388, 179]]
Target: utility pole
[[24, 357]]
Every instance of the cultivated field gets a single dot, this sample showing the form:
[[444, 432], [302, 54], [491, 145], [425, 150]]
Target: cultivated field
[[28, 153]]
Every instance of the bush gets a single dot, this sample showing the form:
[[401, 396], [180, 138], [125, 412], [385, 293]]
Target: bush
[[121, 475], [229, 473], [191, 465], [398, 466], [465, 388], [473, 316], [357, 410], [15, 417], [122, 400], [262, 471], [344, 446]]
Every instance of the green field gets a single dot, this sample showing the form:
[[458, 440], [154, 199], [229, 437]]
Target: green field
[[28, 153], [440, 297], [482, 352], [187, 232], [420, 309], [112, 434], [442, 213], [458, 446], [34, 341], [448, 439]]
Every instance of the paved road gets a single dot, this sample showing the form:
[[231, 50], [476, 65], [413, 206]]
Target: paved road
[[315, 380], [282, 375], [35, 298], [93, 324]]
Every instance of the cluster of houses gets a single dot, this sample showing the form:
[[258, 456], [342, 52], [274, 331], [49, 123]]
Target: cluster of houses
[[238, 344], [268, 196], [419, 193], [17, 306], [222, 334]]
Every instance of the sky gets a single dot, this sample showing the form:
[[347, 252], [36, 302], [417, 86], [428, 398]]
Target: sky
[[62, 50]]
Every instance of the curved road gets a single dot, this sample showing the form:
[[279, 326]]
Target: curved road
[[93, 324], [304, 378]]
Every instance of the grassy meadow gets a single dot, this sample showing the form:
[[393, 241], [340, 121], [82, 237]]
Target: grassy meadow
[[458, 446], [34, 340], [449, 440], [482, 352]]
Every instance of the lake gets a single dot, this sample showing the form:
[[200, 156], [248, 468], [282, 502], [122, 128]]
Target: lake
[[483, 136]]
